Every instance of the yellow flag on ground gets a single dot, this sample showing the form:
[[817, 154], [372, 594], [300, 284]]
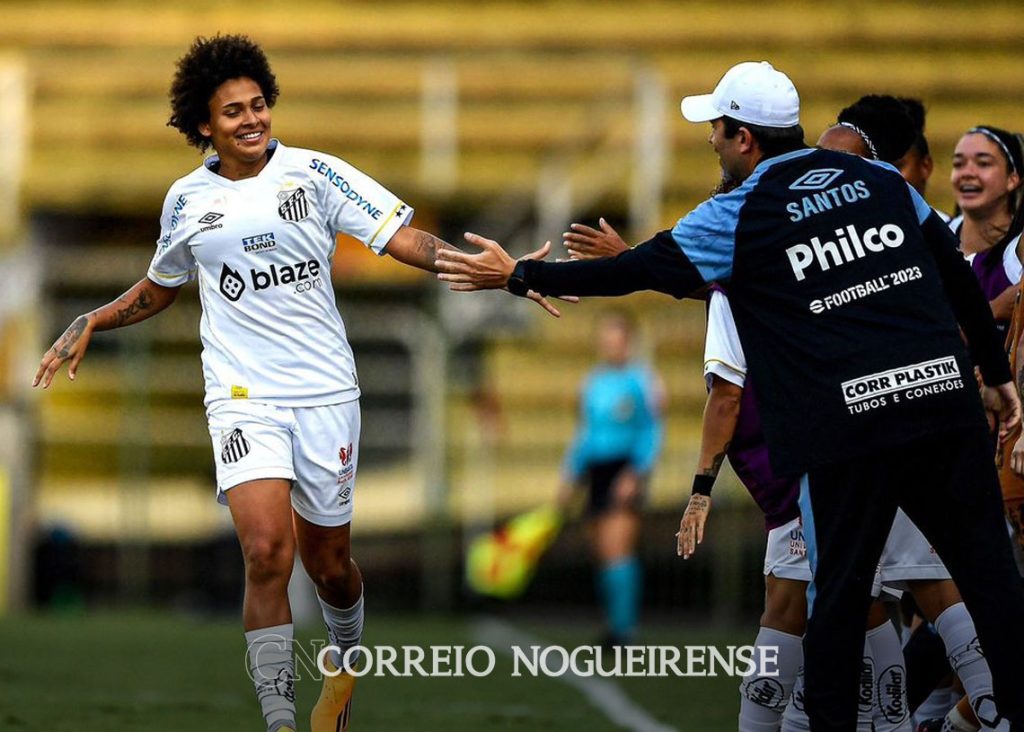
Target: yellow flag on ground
[[501, 563]]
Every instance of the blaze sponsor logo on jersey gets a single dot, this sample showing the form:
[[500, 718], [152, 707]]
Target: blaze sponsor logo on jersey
[[849, 245], [294, 206], [341, 183], [304, 275], [231, 284], [233, 446], [259, 243]]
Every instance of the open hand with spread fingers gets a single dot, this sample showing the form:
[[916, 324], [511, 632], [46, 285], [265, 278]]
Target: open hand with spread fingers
[[584, 242], [489, 269]]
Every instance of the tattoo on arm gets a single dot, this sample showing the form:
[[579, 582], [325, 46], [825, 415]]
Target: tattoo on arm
[[143, 302], [716, 462], [63, 345], [427, 247], [698, 503]]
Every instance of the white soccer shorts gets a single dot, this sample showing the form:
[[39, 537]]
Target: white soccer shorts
[[907, 556], [785, 556], [316, 448]]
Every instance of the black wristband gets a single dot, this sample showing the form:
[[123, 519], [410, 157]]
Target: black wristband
[[517, 280], [702, 485]]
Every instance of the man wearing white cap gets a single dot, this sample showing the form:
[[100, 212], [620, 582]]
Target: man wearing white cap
[[848, 295]]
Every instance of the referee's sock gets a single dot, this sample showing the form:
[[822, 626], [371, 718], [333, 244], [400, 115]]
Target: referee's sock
[[956, 628], [620, 585], [272, 669], [344, 629], [764, 693]]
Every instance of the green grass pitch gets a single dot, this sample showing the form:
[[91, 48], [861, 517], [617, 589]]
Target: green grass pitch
[[168, 673]]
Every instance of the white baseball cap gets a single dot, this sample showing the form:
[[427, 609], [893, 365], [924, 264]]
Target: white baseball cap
[[752, 92]]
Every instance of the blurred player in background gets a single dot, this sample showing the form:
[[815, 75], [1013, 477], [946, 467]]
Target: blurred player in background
[[256, 223], [987, 167], [611, 457]]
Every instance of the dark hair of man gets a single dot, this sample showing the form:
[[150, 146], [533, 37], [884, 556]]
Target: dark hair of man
[[884, 121], [772, 140], [915, 108], [208, 63]]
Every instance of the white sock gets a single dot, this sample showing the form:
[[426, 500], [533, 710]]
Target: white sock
[[272, 670], [955, 722], [956, 628], [763, 696], [935, 705], [891, 711], [344, 628], [794, 719]]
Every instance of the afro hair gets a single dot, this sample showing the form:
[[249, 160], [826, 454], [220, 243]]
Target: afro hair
[[208, 63]]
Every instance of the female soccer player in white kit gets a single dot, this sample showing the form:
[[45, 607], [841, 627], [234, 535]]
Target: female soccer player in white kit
[[256, 225]]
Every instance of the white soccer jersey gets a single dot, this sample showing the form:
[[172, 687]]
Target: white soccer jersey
[[262, 249], [723, 354]]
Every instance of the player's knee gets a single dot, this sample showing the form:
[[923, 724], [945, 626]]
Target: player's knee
[[332, 576], [785, 608], [267, 561]]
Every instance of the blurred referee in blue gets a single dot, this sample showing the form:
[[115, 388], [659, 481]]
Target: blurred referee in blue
[[847, 291]]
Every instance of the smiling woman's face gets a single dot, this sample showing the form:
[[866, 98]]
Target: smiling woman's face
[[981, 178], [239, 127]]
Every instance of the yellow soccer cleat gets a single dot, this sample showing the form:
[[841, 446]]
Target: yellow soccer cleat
[[333, 710]]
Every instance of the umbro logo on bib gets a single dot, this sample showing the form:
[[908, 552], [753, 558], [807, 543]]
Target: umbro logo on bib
[[233, 447], [294, 206]]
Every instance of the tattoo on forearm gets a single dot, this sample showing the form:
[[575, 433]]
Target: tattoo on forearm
[[63, 345], [427, 247], [143, 302], [716, 462]]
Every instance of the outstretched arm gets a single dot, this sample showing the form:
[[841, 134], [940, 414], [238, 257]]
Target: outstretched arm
[[657, 264], [420, 249], [721, 413], [142, 301]]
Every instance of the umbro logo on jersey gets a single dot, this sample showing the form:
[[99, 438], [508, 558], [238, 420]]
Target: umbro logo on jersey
[[231, 284], [210, 220], [233, 447], [815, 180], [294, 206]]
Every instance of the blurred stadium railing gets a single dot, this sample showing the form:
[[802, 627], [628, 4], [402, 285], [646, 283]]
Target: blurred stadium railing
[[511, 119]]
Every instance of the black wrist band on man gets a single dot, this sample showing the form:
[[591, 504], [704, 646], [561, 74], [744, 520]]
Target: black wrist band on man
[[702, 485], [517, 280]]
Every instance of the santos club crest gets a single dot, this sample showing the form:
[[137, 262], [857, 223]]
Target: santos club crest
[[294, 206]]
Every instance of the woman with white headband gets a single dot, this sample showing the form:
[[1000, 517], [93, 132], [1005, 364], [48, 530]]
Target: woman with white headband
[[987, 166]]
